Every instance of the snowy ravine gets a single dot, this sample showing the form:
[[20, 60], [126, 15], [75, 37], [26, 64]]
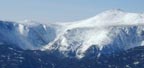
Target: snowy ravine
[[109, 32]]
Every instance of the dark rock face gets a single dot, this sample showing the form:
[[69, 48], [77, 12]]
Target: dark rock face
[[13, 57]]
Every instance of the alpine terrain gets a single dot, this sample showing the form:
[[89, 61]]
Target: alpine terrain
[[111, 39]]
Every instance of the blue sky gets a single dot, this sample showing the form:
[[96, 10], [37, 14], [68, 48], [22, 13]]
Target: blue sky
[[62, 10]]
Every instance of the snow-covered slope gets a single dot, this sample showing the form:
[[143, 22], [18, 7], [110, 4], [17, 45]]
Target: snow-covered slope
[[26, 36], [110, 31]]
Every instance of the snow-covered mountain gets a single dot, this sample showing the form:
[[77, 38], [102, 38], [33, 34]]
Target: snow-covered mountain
[[26, 36], [109, 32]]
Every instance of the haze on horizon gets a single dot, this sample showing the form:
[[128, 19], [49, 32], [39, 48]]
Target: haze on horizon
[[62, 10]]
